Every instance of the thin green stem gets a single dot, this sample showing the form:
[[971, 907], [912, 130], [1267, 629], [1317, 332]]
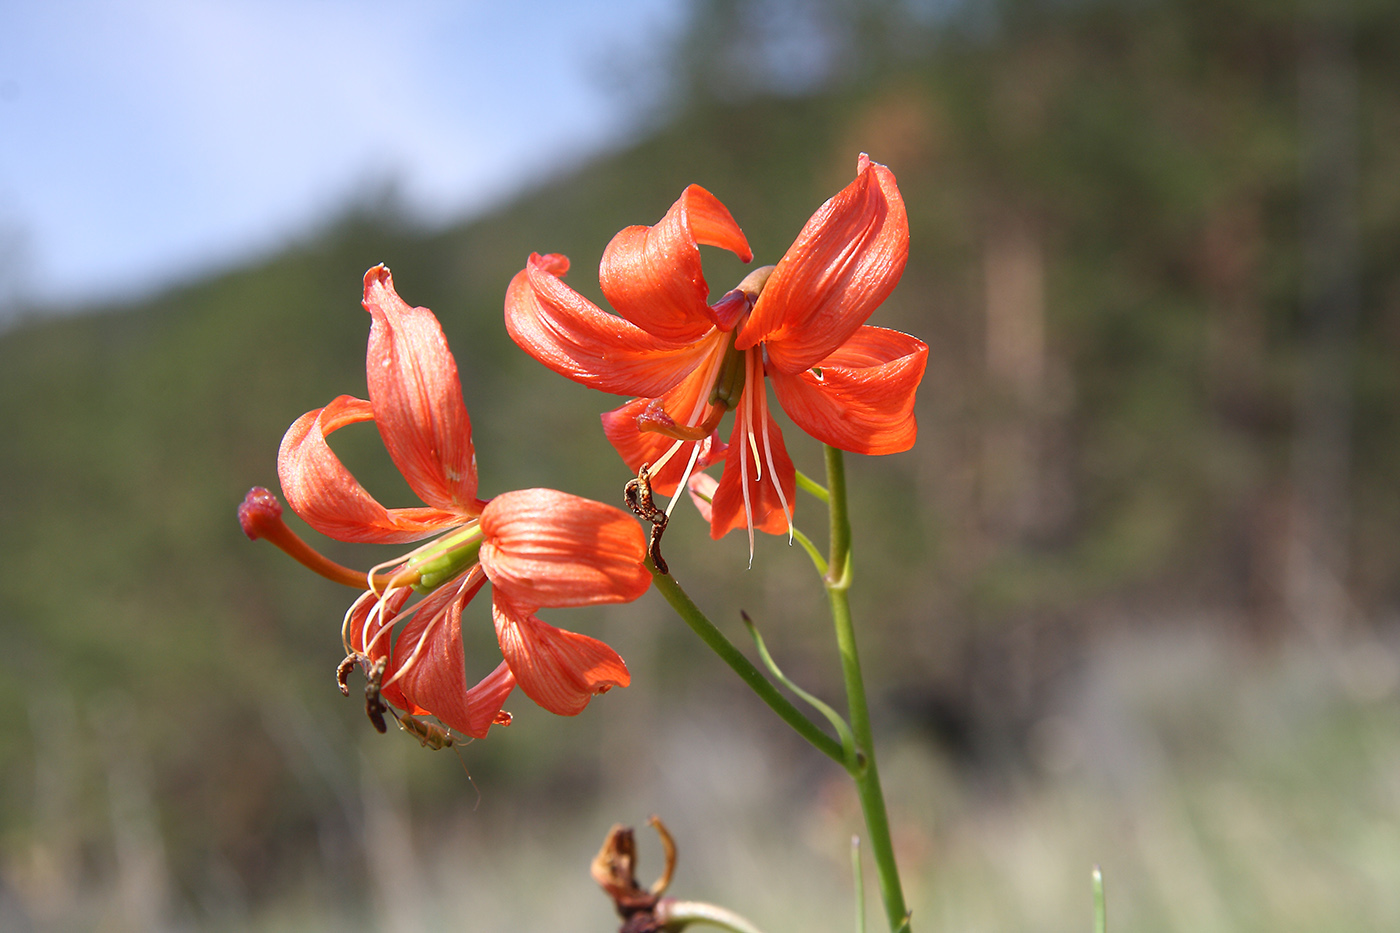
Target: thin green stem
[[748, 673], [840, 550], [864, 773], [817, 559], [1100, 913], [860, 884], [806, 482]]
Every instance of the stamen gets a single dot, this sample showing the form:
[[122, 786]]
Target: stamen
[[345, 623], [714, 364], [469, 587], [666, 457], [768, 455], [685, 478], [753, 448], [744, 469], [417, 650], [376, 613], [375, 579]]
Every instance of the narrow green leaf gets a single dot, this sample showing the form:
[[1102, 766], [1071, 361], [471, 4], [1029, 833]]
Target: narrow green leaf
[[848, 742]]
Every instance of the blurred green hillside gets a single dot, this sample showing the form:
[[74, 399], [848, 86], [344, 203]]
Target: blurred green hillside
[[1153, 253]]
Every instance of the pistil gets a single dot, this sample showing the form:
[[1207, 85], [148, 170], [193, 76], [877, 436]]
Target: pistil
[[445, 558], [728, 387], [260, 514]]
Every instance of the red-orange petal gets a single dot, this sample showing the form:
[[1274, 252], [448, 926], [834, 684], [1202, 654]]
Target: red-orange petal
[[766, 508], [558, 669], [437, 681], [542, 547], [844, 263], [652, 275], [575, 338], [321, 490], [701, 487], [860, 398], [417, 399]]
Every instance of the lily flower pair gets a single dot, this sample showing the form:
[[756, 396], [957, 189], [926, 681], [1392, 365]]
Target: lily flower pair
[[799, 325], [537, 547]]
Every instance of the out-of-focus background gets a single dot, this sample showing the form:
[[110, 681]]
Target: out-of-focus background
[[1131, 600]]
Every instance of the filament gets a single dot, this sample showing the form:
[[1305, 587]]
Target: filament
[[345, 623], [768, 455], [685, 478], [744, 463], [417, 650], [665, 458]]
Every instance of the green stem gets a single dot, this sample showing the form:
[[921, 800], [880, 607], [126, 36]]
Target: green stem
[[863, 771], [817, 559], [751, 675], [1100, 914], [812, 486]]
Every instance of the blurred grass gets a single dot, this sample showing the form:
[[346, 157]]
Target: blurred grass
[[1073, 592]]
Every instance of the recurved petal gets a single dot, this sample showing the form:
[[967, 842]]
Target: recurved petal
[[321, 490], [860, 398], [417, 399], [435, 681], [575, 338], [542, 547], [652, 275], [558, 669], [764, 510], [702, 488], [844, 263]]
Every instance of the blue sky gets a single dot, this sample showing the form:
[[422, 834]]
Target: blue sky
[[146, 141]]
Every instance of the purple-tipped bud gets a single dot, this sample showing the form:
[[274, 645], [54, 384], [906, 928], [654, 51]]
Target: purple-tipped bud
[[259, 512]]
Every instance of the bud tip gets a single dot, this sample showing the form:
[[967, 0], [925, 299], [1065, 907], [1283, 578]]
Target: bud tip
[[258, 509]]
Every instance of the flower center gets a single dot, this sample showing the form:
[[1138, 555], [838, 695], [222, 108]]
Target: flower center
[[443, 559], [728, 387]]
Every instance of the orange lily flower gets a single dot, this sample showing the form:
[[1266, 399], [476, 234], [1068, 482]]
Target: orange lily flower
[[537, 547], [799, 325]]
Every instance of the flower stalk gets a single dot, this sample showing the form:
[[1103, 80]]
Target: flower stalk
[[863, 769], [690, 613], [859, 757]]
